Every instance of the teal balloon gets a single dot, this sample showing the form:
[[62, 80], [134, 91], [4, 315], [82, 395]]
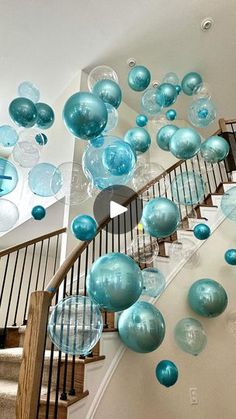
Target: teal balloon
[[84, 227], [191, 82], [167, 373], [188, 188], [119, 158], [114, 282], [142, 327], [139, 78], [45, 115], [166, 95], [153, 282], [190, 336], [85, 115], [160, 217], [171, 114], [8, 177], [230, 256], [109, 91], [178, 89], [40, 179], [112, 119], [185, 143], [75, 325], [164, 135], [202, 231], [23, 112], [171, 78], [29, 90], [202, 112], [214, 149], [149, 105], [38, 212], [8, 136], [228, 204], [139, 139], [207, 298], [141, 120], [41, 139]]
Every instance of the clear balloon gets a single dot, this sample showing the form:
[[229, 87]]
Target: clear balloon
[[112, 119], [139, 139], [119, 158], [109, 91], [144, 249], [190, 336], [188, 188], [166, 95], [207, 298], [160, 217], [153, 282], [171, 78], [23, 112], [84, 227], [171, 114], [100, 73], [8, 136], [182, 249], [185, 143], [230, 256], [142, 327], [228, 204], [141, 120], [203, 90], [75, 325], [45, 116], [214, 149], [149, 105], [40, 179], [9, 214], [144, 173], [115, 282], [167, 373], [202, 112], [139, 78], [8, 177], [164, 135], [202, 231], [29, 90], [26, 152], [38, 212], [191, 82]]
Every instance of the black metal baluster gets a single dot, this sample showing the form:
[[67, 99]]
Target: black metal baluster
[[86, 270], [63, 395], [20, 286], [28, 288], [214, 176], [4, 278]]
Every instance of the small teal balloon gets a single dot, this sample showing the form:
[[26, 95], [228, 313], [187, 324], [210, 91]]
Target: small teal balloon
[[119, 158], [164, 135], [166, 95], [190, 336], [40, 179], [171, 78], [8, 177], [41, 139], [8, 136], [171, 114], [29, 90], [112, 118], [202, 112], [149, 105], [115, 282], [153, 282], [38, 212], [160, 217], [178, 89], [23, 112], [139, 78], [142, 327], [207, 298], [214, 149], [230, 256], [185, 143], [141, 120], [84, 227], [97, 142], [139, 139], [109, 91], [167, 373], [45, 115], [202, 231], [188, 188], [228, 204], [85, 115], [191, 82]]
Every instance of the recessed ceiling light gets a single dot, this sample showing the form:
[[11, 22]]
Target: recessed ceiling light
[[207, 24], [131, 62]]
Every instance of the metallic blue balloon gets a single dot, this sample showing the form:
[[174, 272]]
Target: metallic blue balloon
[[228, 204], [112, 118], [190, 336], [119, 158], [84, 227], [40, 179], [171, 114], [8, 136], [139, 78], [207, 298], [114, 282], [109, 91], [160, 217], [167, 373], [142, 327], [8, 177], [188, 188], [166, 95], [153, 282], [38, 212], [230, 256], [214, 149], [178, 89], [41, 139], [185, 143], [149, 105], [85, 115], [139, 139], [202, 112], [45, 115], [141, 120], [164, 135], [23, 112], [202, 231], [190, 83]]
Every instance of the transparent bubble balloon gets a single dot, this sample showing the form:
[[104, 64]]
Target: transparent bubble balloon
[[188, 188], [9, 215], [8, 136], [153, 282], [202, 112], [202, 91], [146, 172], [144, 249], [190, 336], [100, 73], [112, 119], [75, 325], [181, 249], [70, 187], [171, 78], [8, 177], [40, 179], [29, 90], [231, 322], [149, 105], [27, 152], [228, 204], [92, 191]]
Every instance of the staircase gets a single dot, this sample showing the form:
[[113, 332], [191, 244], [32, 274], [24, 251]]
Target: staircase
[[51, 384]]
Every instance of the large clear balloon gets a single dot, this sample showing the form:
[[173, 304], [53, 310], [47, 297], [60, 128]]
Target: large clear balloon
[[102, 72], [85, 115], [214, 149], [202, 112], [167, 373], [144, 173], [8, 136], [40, 179], [23, 112], [115, 282], [139, 78], [29, 90], [144, 249], [26, 152], [202, 231], [228, 204], [93, 164], [166, 95], [160, 217], [112, 118], [185, 143], [84, 227], [8, 177], [171, 78], [45, 116], [202, 91], [207, 298], [191, 82], [142, 327], [75, 325], [188, 188], [149, 105], [230, 256], [119, 158], [139, 139], [164, 135], [109, 91], [153, 282], [9, 214], [190, 336]]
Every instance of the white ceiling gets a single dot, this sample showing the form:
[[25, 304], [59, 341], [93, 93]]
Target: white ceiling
[[47, 41]]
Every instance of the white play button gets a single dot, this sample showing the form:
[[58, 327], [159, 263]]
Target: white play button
[[116, 209]]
